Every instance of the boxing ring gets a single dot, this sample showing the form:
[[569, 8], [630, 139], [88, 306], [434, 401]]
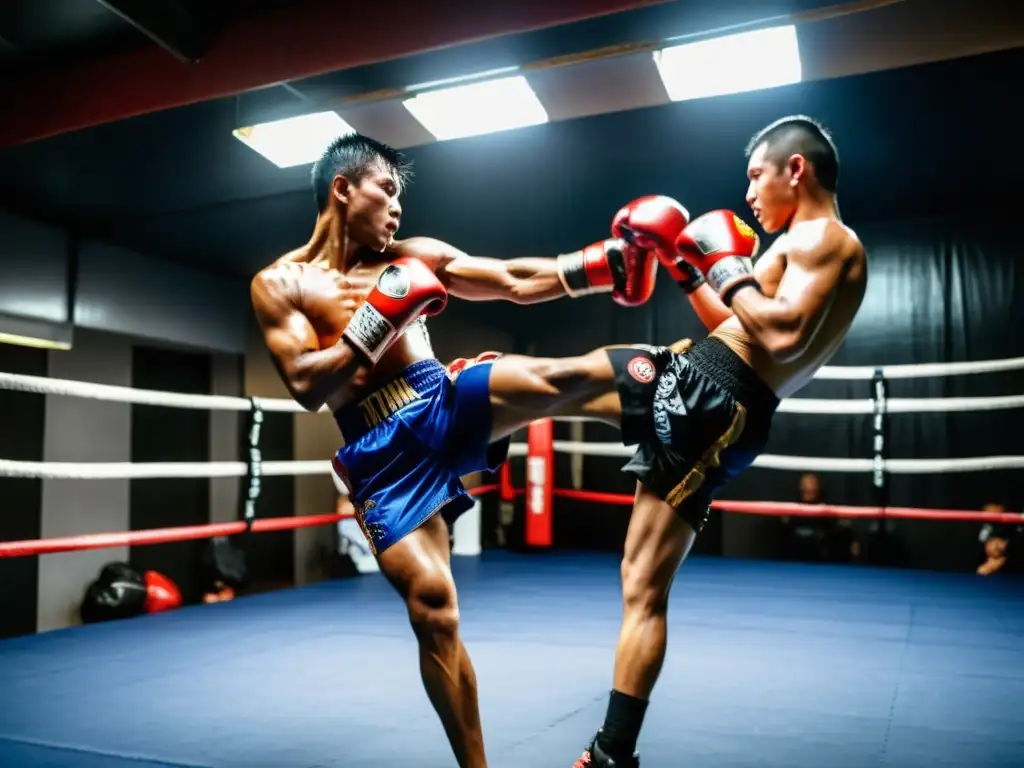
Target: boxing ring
[[769, 663]]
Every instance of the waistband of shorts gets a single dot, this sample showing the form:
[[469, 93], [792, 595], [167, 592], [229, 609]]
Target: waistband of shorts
[[356, 419], [728, 369]]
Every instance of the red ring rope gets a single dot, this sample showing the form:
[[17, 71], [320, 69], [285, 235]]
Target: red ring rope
[[156, 535], [770, 508], [792, 509], [166, 535]]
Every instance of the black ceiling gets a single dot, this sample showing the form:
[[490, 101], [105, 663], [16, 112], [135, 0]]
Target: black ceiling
[[55, 34], [176, 184]]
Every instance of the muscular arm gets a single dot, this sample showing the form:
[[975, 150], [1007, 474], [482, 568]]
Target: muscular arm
[[787, 323], [311, 374], [475, 278], [709, 307]]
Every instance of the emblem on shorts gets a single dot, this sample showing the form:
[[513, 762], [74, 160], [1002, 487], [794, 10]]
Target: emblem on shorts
[[668, 402], [641, 369], [393, 282]]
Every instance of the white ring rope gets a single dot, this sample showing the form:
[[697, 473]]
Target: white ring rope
[[891, 405], [809, 463], [60, 470], [902, 405], [43, 385], [918, 371], [127, 470]]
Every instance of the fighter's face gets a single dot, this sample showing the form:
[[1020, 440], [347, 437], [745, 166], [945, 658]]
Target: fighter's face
[[771, 193], [373, 211]]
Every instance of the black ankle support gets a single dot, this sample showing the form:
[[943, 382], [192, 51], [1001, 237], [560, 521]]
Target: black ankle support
[[622, 725]]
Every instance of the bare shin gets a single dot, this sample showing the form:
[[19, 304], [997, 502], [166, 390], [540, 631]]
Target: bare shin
[[527, 388], [419, 568]]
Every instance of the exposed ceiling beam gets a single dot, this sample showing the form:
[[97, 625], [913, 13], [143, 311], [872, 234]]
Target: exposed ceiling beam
[[292, 42], [166, 23]]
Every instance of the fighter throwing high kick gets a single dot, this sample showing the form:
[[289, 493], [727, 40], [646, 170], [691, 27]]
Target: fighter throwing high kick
[[342, 318]]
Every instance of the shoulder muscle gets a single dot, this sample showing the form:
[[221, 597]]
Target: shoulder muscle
[[274, 292], [818, 242], [435, 253]]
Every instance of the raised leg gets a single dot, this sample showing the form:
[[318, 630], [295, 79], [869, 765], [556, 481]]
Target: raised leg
[[419, 567], [524, 389]]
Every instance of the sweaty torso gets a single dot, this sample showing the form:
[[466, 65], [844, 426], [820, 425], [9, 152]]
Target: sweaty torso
[[788, 377], [328, 298]]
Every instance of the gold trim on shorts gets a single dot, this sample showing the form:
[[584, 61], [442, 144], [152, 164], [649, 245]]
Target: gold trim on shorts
[[387, 401], [712, 458], [682, 346], [361, 519]]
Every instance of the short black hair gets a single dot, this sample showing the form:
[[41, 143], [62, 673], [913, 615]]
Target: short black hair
[[353, 156], [800, 135]]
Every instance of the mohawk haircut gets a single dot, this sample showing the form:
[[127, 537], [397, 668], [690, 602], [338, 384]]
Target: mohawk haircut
[[354, 156], [800, 135]]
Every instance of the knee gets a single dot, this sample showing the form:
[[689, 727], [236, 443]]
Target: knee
[[434, 610], [642, 592]]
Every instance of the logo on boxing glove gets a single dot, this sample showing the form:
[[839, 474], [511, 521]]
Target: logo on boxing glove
[[747, 231], [393, 282]]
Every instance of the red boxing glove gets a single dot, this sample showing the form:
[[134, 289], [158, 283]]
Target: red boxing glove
[[720, 245], [162, 594], [651, 223], [612, 265], [405, 290]]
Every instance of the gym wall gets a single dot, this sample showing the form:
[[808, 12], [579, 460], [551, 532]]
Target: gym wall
[[115, 290], [131, 331]]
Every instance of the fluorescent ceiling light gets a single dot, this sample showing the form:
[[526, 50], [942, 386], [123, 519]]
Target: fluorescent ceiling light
[[478, 108], [295, 140], [748, 61]]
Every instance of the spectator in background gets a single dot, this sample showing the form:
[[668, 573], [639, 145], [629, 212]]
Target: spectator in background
[[837, 541], [799, 535], [810, 488], [822, 539], [996, 541]]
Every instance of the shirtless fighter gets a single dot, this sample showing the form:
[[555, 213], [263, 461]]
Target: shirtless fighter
[[343, 319], [703, 416]]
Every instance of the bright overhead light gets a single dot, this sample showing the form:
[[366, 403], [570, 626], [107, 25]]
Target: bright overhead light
[[478, 108], [294, 140], [748, 61]]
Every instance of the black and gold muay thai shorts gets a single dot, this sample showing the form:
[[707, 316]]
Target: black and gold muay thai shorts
[[699, 416]]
